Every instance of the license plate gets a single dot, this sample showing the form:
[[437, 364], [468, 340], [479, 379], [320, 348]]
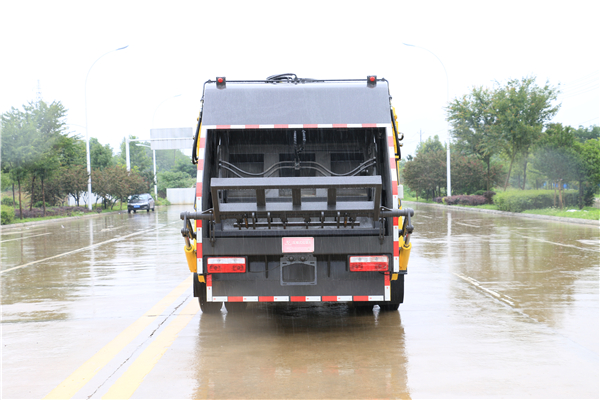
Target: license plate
[[136, 206], [298, 245]]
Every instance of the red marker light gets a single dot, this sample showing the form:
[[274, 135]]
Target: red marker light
[[220, 80], [372, 79]]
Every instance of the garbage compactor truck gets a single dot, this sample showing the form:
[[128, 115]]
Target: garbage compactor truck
[[297, 194]]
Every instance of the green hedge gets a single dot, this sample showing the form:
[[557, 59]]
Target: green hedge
[[7, 214], [521, 200]]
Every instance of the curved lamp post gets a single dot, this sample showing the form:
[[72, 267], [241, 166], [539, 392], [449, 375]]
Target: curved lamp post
[[449, 186], [87, 135]]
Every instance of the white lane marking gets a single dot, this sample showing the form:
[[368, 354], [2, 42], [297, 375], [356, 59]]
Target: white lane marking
[[501, 297], [23, 238], [559, 244], [462, 223], [83, 248]]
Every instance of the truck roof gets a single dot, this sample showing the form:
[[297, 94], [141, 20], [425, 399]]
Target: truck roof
[[296, 102]]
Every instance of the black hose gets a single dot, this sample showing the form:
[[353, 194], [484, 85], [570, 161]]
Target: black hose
[[395, 134], [196, 137]]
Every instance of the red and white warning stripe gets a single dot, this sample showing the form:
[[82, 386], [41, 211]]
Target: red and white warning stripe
[[202, 145], [294, 299], [296, 126], [392, 154]]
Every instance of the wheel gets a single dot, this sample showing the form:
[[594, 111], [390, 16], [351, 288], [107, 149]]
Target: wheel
[[236, 307], [207, 307], [210, 307], [152, 209], [128, 211], [397, 295], [134, 211], [389, 306], [362, 307], [148, 210]]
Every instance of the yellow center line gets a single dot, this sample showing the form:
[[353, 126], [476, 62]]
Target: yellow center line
[[128, 383], [78, 379]]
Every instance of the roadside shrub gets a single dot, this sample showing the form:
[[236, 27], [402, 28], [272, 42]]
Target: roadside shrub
[[162, 202], [437, 199], [8, 201], [40, 204], [466, 200], [489, 196], [7, 214], [521, 200], [54, 211]]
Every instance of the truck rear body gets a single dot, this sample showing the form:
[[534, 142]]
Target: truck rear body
[[297, 194]]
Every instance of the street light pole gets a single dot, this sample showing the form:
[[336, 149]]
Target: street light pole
[[449, 186], [87, 134], [154, 151]]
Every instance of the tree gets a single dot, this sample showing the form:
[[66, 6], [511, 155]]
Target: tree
[[49, 140], [469, 174], [174, 179], [100, 156], [521, 109], [115, 183], [426, 172], [74, 181], [583, 134], [472, 120], [138, 156], [559, 164], [18, 133], [587, 169]]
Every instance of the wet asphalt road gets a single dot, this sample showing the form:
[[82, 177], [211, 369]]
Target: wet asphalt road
[[494, 307]]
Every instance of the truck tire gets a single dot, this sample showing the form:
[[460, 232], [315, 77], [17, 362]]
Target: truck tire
[[397, 295], [236, 307], [362, 307], [207, 307]]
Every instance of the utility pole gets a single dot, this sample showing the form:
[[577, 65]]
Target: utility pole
[[420, 136]]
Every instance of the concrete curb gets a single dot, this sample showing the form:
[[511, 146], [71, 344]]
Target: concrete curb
[[512, 214]]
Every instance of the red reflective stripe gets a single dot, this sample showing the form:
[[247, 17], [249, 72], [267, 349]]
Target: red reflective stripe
[[361, 298], [396, 249], [223, 126], [297, 298], [387, 279], [396, 221], [209, 280], [310, 126], [198, 189], [340, 125], [252, 127], [235, 299], [329, 298], [266, 298], [202, 142], [393, 163], [369, 125], [390, 141], [394, 189], [280, 126]]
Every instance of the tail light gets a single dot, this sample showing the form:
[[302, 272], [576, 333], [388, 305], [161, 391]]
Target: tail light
[[368, 263], [226, 265]]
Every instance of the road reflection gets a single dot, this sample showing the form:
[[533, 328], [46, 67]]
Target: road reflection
[[311, 351]]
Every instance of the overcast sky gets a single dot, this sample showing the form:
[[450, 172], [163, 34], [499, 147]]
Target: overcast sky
[[174, 47]]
